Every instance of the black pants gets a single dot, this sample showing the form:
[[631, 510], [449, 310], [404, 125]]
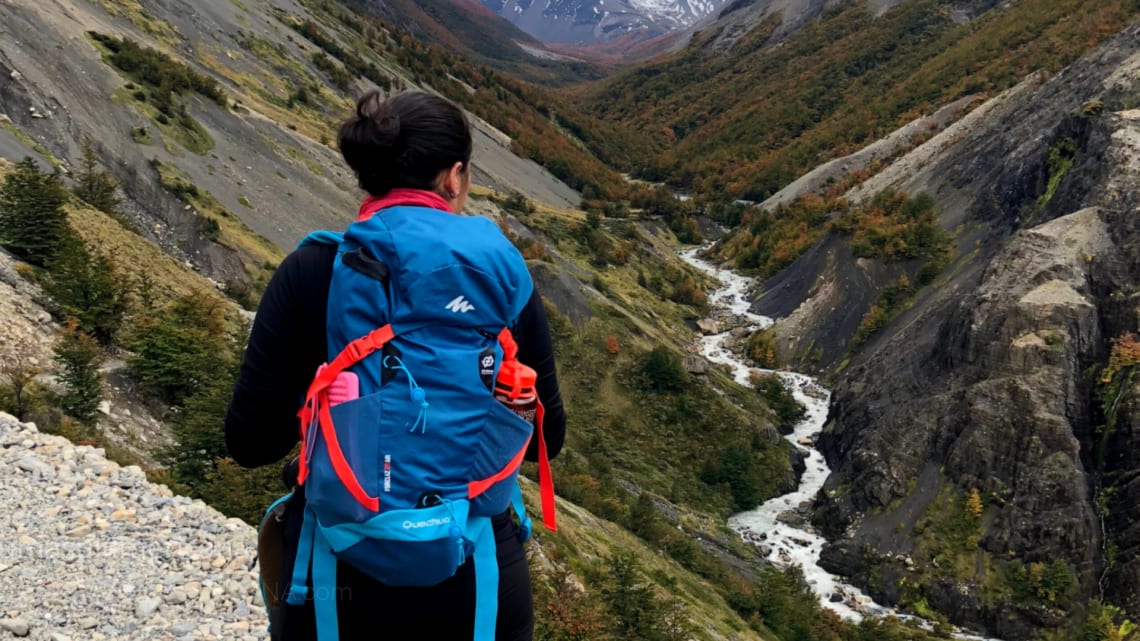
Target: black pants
[[445, 612]]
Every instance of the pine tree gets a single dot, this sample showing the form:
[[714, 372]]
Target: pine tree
[[32, 221], [86, 287], [179, 348], [80, 356], [95, 186]]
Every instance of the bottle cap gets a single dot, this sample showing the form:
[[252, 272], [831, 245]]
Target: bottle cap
[[515, 380]]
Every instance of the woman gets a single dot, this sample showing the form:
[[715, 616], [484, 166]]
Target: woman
[[411, 149]]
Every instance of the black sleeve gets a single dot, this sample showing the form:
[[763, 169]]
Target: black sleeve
[[286, 345], [532, 333]]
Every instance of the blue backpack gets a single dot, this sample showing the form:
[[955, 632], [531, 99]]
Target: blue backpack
[[405, 452]]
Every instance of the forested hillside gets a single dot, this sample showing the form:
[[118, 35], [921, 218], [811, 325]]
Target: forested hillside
[[746, 120], [963, 273]]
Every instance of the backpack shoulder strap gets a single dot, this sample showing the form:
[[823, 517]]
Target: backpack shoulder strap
[[321, 237]]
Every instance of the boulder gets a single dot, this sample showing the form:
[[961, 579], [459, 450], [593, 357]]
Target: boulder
[[708, 326], [696, 365]]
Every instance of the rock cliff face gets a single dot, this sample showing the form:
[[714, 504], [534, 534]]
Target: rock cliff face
[[990, 381]]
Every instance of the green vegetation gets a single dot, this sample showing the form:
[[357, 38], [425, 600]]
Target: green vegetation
[[762, 349], [1107, 623], [735, 122], [32, 221], [94, 186], [141, 135], [1061, 158], [144, 19], [176, 349], [218, 224], [86, 287], [79, 355], [788, 410], [893, 226], [892, 300], [768, 241], [159, 80]]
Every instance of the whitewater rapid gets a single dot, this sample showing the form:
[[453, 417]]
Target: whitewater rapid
[[787, 544]]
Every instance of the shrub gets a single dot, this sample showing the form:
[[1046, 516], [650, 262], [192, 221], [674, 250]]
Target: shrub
[[86, 287], [178, 348], [17, 375], [33, 224], [788, 410], [761, 348], [79, 355], [662, 371]]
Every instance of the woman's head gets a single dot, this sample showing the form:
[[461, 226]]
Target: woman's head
[[412, 140]]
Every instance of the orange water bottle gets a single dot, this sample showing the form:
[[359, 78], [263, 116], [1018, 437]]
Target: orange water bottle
[[514, 387]]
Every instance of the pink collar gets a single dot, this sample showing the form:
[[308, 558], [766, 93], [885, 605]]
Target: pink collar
[[394, 197]]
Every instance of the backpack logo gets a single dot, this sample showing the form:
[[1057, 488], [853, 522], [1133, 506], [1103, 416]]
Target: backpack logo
[[459, 305]]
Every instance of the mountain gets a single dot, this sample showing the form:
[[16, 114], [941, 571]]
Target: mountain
[[468, 28], [745, 109], [973, 299], [943, 225], [599, 21], [175, 153]]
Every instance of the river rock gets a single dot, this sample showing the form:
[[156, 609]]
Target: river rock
[[145, 607], [708, 326], [794, 518], [696, 365], [17, 627]]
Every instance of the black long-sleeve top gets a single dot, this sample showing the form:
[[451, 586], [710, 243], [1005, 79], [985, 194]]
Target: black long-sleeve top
[[286, 346], [288, 343]]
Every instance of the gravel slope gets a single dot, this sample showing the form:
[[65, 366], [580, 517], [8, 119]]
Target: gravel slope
[[90, 550]]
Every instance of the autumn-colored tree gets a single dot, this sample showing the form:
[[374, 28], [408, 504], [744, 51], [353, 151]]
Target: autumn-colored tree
[[18, 372], [1125, 353], [974, 504]]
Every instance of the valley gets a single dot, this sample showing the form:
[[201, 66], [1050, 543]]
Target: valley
[[873, 377]]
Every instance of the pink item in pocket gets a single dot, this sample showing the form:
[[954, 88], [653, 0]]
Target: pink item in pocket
[[345, 388]]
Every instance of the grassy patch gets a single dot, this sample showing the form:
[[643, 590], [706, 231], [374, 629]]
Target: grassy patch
[[141, 135], [218, 224], [138, 259], [268, 91], [144, 19], [156, 81], [32, 144], [1062, 155]]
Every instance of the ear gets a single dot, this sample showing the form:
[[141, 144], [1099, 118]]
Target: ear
[[453, 180]]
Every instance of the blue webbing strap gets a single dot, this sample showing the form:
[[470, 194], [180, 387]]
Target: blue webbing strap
[[324, 589], [298, 590], [525, 526], [321, 237], [486, 578]]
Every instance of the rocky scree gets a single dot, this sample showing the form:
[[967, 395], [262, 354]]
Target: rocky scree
[[90, 550]]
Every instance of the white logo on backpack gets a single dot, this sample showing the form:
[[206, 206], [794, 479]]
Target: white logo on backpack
[[459, 305]]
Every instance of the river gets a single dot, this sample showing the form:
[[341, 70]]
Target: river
[[780, 542]]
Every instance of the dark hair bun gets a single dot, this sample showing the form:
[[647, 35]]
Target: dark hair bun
[[403, 141], [377, 114]]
